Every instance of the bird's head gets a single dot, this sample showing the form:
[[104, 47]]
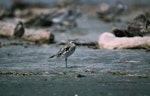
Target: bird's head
[[20, 23], [72, 42]]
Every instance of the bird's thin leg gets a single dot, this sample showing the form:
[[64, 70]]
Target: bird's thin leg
[[66, 62]]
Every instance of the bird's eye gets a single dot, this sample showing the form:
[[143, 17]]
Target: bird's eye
[[67, 48]]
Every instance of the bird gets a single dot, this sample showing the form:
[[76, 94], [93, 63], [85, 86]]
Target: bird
[[70, 14], [19, 30], [66, 51], [118, 9]]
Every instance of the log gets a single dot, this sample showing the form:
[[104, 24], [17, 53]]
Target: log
[[108, 40], [39, 36]]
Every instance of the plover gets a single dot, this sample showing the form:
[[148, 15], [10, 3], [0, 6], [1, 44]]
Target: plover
[[66, 51], [19, 30], [120, 8]]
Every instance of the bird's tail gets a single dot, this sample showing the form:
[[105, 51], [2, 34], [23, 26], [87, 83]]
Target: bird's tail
[[52, 56]]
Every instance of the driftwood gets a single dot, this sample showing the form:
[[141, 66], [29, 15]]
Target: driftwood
[[135, 35], [108, 40], [89, 44], [140, 26], [39, 36]]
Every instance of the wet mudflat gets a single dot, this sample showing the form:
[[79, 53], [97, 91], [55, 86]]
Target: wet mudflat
[[91, 72], [27, 70]]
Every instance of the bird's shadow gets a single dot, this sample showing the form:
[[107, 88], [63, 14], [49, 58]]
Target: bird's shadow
[[71, 66], [75, 66]]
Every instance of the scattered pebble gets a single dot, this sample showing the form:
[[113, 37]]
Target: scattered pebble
[[61, 73], [80, 76], [118, 73], [142, 76], [76, 95], [90, 71]]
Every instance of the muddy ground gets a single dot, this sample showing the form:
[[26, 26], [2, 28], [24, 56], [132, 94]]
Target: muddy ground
[[27, 70]]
